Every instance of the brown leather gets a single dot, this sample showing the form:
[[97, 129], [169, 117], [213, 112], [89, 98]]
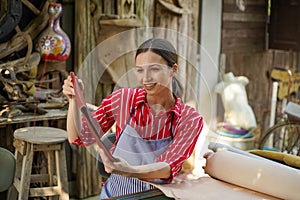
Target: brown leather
[[94, 127]]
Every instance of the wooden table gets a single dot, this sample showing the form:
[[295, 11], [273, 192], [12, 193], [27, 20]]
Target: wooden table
[[52, 114], [53, 117]]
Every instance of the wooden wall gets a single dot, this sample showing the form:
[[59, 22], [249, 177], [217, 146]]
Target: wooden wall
[[246, 53], [185, 24], [244, 31], [177, 23], [101, 20]]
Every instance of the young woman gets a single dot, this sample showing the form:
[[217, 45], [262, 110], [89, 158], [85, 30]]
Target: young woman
[[155, 131]]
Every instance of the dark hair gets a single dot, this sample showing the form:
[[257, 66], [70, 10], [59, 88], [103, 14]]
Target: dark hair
[[167, 51]]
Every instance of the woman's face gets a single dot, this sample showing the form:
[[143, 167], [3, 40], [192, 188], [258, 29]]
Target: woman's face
[[153, 73]]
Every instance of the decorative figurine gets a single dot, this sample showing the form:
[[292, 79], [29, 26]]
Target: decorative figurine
[[54, 43], [235, 101]]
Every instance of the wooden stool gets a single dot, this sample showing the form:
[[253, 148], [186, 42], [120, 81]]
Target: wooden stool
[[51, 141]]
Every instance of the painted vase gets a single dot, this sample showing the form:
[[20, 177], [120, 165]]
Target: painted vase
[[54, 43]]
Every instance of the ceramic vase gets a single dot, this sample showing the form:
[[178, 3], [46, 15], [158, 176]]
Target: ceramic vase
[[54, 43]]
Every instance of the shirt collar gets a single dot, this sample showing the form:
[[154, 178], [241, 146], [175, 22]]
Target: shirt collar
[[141, 99]]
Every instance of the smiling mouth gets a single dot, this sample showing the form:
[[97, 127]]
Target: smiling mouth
[[149, 86]]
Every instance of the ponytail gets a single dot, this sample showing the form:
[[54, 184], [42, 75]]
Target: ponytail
[[177, 87]]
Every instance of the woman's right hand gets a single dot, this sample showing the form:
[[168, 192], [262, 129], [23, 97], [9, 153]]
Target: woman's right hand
[[68, 88]]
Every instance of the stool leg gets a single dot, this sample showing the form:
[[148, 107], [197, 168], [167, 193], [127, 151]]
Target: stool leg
[[12, 193], [61, 169], [26, 173], [50, 160], [50, 167], [19, 160]]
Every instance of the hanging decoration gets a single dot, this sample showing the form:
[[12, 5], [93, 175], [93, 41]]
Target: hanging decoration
[[54, 43]]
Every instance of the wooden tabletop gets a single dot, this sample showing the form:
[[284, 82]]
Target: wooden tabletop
[[52, 114], [41, 135]]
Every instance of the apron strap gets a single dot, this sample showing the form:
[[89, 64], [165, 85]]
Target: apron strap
[[171, 127]]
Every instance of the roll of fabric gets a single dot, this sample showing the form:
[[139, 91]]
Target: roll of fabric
[[261, 175]]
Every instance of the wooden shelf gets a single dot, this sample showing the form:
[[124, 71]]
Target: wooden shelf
[[52, 114], [122, 22]]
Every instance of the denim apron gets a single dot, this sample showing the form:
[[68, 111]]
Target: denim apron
[[136, 151]]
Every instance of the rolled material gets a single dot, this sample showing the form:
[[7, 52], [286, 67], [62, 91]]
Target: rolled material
[[219, 147], [256, 174]]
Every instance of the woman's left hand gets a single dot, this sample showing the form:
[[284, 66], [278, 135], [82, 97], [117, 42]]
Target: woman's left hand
[[120, 166], [145, 172]]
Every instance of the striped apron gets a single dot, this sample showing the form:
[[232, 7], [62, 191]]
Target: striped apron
[[136, 151]]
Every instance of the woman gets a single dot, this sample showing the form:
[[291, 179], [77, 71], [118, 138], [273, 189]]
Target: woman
[[156, 132]]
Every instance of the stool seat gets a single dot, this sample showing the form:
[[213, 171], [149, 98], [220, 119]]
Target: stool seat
[[41, 135], [52, 181]]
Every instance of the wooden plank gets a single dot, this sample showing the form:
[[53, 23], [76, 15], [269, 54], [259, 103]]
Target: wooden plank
[[183, 54], [20, 146], [159, 20], [279, 59], [46, 147], [3, 136], [122, 22], [242, 33], [192, 53], [244, 17], [36, 178], [17, 184], [50, 163], [79, 34], [19, 161], [89, 171], [9, 138], [83, 172], [31, 7], [130, 67], [145, 11], [61, 170], [249, 2], [244, 48], [242, 40], [243, 25], [232, 8], [298, 61], [25, 174], [293, 60], [45, 191], [250, 44], [52, 114], [108, 7]]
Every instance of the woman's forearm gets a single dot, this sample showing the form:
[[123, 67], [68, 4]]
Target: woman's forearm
[[149, 171], [153, 171], [73, 120]]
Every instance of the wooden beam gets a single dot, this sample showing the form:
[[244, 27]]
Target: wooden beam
[[122, 22], [244, 17], [31, 7], [45, 191]]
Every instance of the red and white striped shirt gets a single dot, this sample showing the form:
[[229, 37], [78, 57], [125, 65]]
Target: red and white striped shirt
[[185, 122]]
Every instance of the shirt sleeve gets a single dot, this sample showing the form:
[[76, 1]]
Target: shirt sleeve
[[105, 116], [183, 145]]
